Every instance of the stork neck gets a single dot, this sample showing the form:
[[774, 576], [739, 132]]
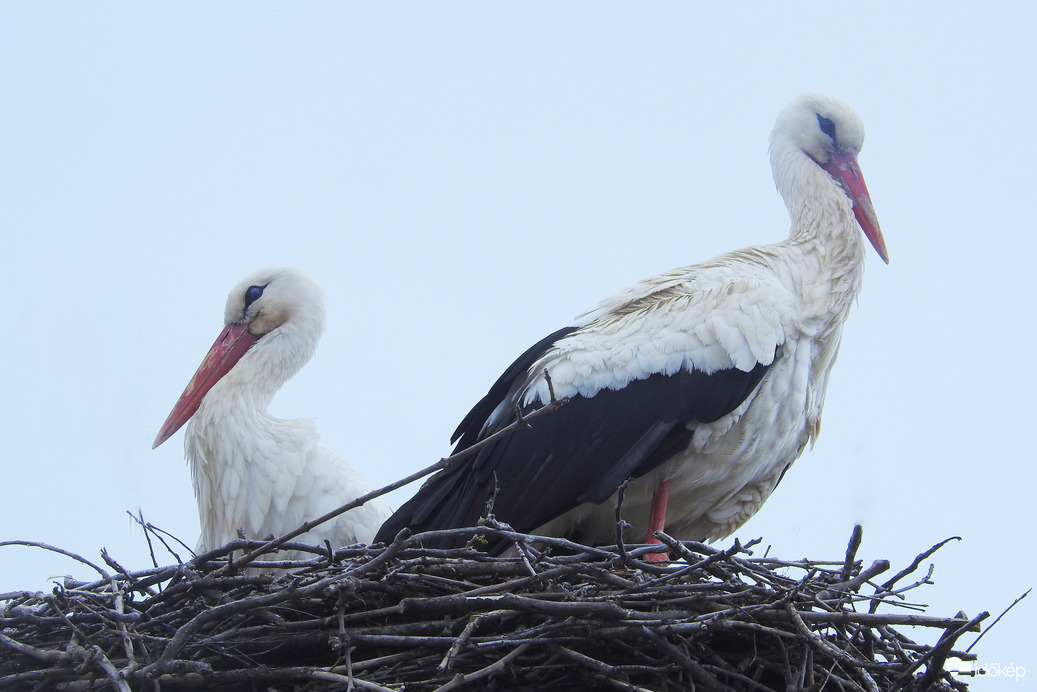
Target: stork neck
[[262, 371], [827, 220], [821, 213], [824, 234]]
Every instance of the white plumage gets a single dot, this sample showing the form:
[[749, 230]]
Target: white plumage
[[264, 475], [707, 381]]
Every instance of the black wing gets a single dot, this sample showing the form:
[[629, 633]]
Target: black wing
[[581, 452]]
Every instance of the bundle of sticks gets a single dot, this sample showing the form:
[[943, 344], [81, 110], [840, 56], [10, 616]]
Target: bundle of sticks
[[554, 615]]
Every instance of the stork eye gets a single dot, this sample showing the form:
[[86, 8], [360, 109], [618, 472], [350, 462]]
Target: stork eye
[[827, 126], [253, 294]]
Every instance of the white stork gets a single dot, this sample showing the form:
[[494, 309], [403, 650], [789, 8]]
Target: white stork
[[251, 471], [702, 384]]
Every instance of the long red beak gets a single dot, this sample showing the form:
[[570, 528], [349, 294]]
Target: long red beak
[[845, 169], [232, 343]]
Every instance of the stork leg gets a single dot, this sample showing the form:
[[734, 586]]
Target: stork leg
[[657, 519]]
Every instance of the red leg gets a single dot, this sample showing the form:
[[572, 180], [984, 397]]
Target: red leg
[[657, 519]]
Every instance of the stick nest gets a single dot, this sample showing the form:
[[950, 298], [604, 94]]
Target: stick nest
[[559, 616]]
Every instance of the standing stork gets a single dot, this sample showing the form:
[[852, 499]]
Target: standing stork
[[251, 471], [702, 384]]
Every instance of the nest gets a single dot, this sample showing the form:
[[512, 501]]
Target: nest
[[558, 616]]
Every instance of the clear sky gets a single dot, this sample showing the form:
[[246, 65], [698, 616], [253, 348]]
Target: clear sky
[[464, 178]]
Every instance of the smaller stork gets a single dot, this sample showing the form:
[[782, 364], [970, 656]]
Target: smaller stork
[[251, 471]]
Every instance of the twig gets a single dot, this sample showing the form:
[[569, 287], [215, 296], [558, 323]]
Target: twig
[[349, 680], [937, 655], [851, 551], [45, 655], [60, 551], [441, 464], [622, 525], [102, 662], [461, 680], [852, 585], [147, 528], [1003, 613], [912, 567], [462, 639]]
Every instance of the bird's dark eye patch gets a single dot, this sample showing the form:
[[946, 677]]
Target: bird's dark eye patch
[[827, 126], [253, 294]]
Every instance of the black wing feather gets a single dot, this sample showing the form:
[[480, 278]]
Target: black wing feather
[[473, 424], [580, 453]]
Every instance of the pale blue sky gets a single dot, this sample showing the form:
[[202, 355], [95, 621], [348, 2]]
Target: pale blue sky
[[462, 179]]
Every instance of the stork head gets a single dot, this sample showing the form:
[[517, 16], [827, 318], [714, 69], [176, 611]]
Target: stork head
[[830, 133], [273, 320], [273, 297]]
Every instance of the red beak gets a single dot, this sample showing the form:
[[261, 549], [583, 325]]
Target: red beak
[[232, 343], [845, 169]]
